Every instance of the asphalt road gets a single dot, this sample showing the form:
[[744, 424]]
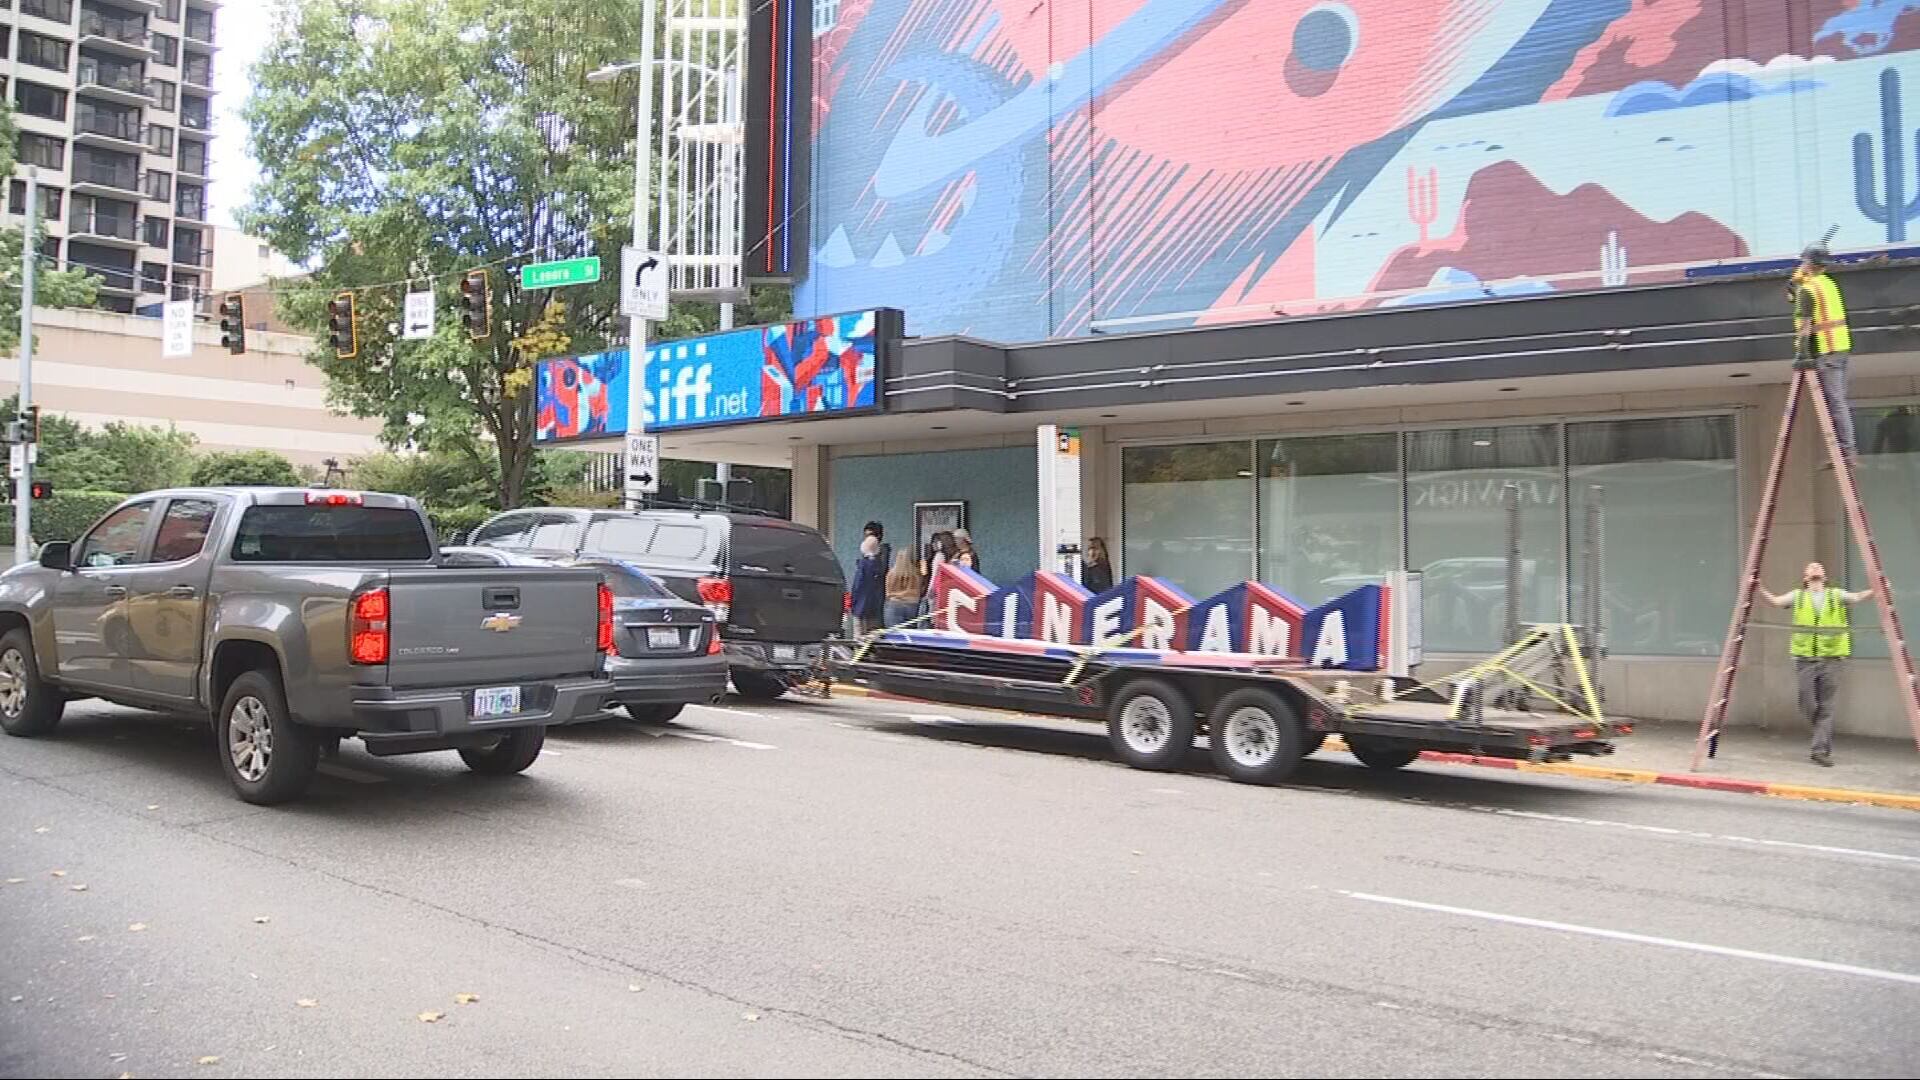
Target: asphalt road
[[865, 888]]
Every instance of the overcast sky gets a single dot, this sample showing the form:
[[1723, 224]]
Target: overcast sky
[[241, 33]]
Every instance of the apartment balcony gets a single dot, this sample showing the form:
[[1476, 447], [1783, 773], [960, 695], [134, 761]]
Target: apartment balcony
[[100, 178], [198, 74], [121, 133], [122, 37], [126, 85], [112, 279], [105, 228], [196, 167], [196, 121], [197, 257]]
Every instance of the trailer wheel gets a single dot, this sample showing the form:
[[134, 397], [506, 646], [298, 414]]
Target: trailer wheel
[[1380, 754], [1256, 737], [1151, 724]]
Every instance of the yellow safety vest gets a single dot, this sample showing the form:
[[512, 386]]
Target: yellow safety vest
[[1829, 324], [1831, 617]]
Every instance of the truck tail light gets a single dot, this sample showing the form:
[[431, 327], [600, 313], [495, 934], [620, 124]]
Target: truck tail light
[[717, 594], [335, 498], [713, 642], [606, 618], [368, 639]]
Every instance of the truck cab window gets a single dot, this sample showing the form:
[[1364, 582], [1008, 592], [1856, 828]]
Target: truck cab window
[[116, 540], [183, 529]]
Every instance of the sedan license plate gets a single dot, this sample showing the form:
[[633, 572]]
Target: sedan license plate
[[783, 652], [662, 637], [496, 701]]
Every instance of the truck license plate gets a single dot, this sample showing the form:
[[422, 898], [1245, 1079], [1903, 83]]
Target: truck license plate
[[496, 701], [783, 652], [663, 637]]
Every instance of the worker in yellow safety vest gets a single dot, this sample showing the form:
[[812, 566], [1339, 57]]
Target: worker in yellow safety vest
[[1822, 342], [1821, 643]]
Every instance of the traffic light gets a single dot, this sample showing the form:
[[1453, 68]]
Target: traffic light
[[41, 489], [343, 321], [476, 304], [233, 323], [31, 420]]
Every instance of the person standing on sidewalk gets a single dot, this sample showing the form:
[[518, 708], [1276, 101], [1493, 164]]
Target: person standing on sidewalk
[[1821, 643], [1822, 343]]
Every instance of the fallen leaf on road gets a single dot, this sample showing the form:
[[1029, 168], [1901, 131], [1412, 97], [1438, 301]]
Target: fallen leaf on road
[[432, 1017], [210, 1059], [465, 999], [262, 919], [40, 829], [16, 880], [307, 1003], [58, 873], [1137, 851], [84, 937], [126, 1076], [82, 887], [633, 988], [749, 1016], [136, 928], [153, 806], [16, 999]]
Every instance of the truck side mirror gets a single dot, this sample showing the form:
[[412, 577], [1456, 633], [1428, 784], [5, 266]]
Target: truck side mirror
[[57, 555]]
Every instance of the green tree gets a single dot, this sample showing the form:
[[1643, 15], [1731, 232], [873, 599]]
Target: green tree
[[412, 140], [149, 458], [242, 468], [51, 288]]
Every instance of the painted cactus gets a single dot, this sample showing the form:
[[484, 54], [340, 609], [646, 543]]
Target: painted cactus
[[1613, 261], [1894, 209], [1423, 200]]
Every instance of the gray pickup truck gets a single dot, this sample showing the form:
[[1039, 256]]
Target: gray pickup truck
[[293, 618]]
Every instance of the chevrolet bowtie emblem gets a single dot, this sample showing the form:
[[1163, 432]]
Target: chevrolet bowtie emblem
[[500, 622]]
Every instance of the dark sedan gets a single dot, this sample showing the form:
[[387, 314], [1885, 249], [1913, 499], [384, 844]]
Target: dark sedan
[[667, 651]]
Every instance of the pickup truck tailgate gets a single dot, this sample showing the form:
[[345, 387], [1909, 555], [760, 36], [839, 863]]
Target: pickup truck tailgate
[[466, 626]]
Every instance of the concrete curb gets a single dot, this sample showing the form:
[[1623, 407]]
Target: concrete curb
[[1887, 799]]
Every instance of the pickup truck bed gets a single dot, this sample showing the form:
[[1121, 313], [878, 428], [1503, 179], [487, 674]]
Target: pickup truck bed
[[292, 619]]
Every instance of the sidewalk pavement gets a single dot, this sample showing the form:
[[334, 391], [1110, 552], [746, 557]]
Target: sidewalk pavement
[[1753, 761]]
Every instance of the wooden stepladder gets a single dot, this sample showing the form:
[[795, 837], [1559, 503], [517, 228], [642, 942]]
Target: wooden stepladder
[[1806, 385]]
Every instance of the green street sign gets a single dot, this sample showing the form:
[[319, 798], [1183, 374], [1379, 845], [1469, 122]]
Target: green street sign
[[565, 272]]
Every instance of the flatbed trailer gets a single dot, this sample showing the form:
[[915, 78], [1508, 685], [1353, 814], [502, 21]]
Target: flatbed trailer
[[1261, 717]]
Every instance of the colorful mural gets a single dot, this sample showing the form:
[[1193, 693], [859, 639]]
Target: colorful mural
[[807, 367], [1025, 169]]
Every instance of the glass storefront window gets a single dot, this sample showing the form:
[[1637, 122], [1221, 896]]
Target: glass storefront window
[[1888, 474], [1329, 513], [1457, 531], [1188, 514], [1672, 534]]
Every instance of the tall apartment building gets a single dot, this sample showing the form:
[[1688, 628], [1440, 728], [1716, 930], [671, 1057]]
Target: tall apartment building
[[114, 102]]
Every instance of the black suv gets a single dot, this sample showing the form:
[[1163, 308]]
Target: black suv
[[774, 586]]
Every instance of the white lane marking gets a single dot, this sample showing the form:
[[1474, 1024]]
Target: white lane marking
[[346, 772], [735, 712], [930, 720], [1694, 834], [1641, 939], [701, 736]]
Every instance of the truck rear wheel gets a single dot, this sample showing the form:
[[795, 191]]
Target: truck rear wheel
[[758, 685], [653, 714], [513, 752], [1256, 736], [1381, 754], [268, 758], [1151, 725], [28, 706]]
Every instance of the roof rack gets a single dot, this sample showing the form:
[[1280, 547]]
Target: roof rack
[[651, 502]]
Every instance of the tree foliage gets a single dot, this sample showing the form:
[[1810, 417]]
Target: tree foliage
[[245, 468], [411, 140], [119, 457]]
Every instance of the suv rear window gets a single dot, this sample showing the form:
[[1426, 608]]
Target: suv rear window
[[771, 549], [331, 534], [628, 583]]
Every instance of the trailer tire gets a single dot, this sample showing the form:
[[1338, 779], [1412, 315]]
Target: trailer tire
[[1151, 725], [1377, 754], [1256, 737]]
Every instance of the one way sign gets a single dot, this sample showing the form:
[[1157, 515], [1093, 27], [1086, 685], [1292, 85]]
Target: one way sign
[[419, 315], [643, 284]]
